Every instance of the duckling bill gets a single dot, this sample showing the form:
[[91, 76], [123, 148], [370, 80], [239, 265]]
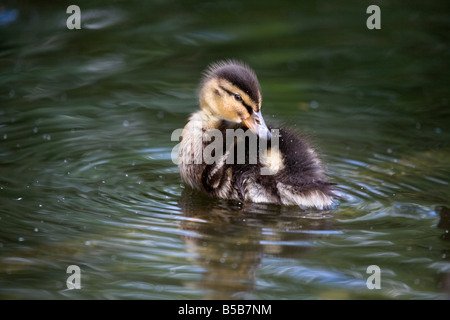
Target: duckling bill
[[284, 169]]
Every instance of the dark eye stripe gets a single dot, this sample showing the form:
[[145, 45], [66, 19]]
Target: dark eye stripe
[[249, 109], [227, 91], [238, 98]]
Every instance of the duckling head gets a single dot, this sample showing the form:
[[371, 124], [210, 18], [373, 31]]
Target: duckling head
[[230, 91]]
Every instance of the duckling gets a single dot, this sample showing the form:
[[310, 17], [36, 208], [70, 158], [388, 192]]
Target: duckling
[[212, 158]]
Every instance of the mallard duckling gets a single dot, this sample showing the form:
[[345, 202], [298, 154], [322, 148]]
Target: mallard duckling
[[288, 172]]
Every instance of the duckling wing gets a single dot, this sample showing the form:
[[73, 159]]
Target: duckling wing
[[301, 180]]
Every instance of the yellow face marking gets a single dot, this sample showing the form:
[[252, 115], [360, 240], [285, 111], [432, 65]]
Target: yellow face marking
[[241, 98], [219, 97]]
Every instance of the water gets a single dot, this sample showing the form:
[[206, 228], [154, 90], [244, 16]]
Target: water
[[86, 176]]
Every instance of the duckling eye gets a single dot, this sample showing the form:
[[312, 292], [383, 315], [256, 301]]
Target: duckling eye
[[237, 97]]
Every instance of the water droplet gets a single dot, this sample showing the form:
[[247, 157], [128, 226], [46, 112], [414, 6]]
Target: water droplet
[[314, 104], [5, 136], [126, 174], [438, 130], [40, 205], [21, 239], [389, 150], [35, 130], [19, 199], [36, 229], [87, 243], [125, 123]]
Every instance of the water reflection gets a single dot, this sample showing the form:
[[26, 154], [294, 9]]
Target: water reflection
[[101, 18], [230, 240]]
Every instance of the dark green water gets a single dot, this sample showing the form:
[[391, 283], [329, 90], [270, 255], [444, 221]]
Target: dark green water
[[86, 176]]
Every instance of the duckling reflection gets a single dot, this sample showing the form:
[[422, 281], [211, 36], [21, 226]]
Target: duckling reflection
[[230, 239]]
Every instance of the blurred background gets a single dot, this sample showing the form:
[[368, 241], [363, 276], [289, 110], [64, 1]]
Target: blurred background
[[86, 176]]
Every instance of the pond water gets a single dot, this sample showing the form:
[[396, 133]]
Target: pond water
[[86, 176]]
